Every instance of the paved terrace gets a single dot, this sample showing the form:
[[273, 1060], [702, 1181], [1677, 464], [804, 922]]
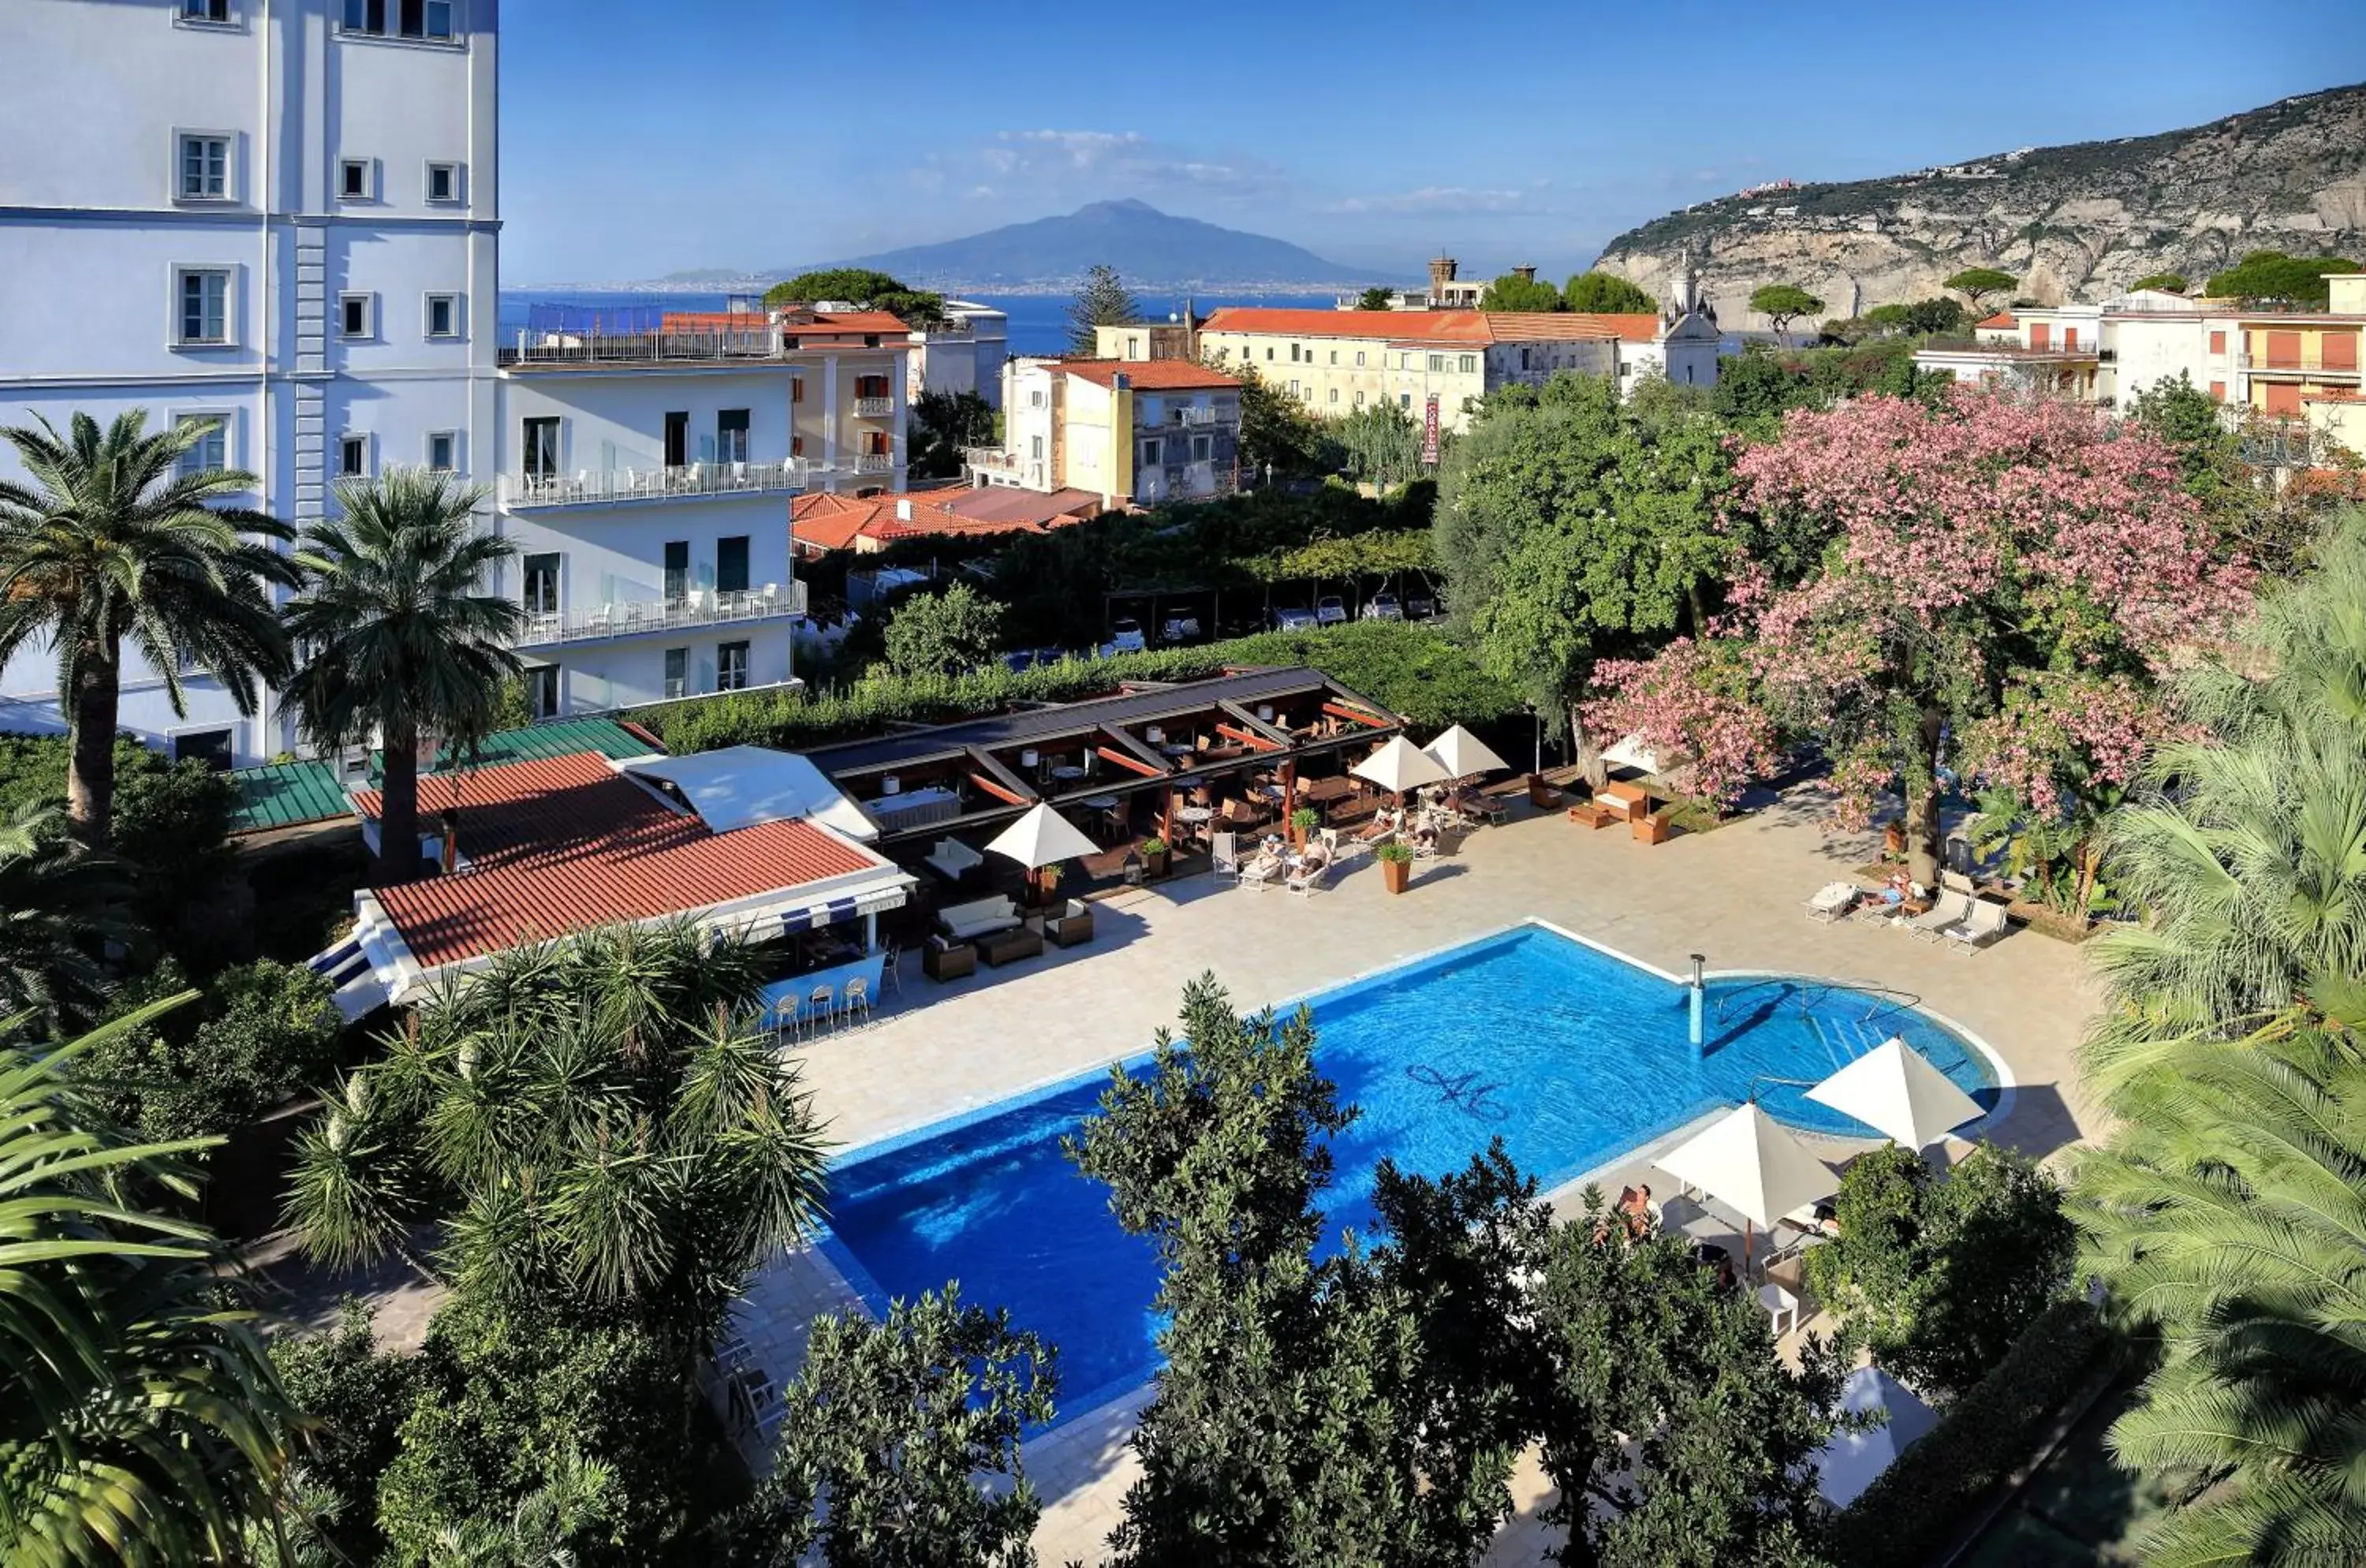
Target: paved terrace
[[1734, 895]]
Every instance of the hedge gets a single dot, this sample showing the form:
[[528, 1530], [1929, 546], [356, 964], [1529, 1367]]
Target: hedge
[[1407, 667], [1917, 1507]]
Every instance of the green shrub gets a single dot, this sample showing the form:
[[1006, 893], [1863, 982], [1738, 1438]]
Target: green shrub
[[1916, 1505], [356, 1399], [1407, 667], [264, 1033]]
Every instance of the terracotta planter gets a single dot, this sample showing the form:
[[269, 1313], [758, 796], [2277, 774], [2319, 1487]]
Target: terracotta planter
[[1395, 874], [1154, 866], [1893, 840]]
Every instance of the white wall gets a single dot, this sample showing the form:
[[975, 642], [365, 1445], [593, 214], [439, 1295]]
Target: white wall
[[92, 227]]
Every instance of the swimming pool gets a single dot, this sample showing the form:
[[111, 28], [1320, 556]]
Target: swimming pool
[[1571, 1054]]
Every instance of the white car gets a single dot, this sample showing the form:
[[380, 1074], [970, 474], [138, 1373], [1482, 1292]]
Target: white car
[[1329, 611], [1293, 618], [1180, 628], [1125, 637], [1383, 607]]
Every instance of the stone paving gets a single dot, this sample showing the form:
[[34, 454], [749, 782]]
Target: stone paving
[[1734, 895]]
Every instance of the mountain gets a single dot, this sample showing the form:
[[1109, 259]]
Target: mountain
[[2076, 222], [1151, 250]]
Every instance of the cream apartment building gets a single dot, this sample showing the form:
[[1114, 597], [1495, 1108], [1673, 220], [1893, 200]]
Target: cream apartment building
[[1145, 431]]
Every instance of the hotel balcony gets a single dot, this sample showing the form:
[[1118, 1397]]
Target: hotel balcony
[[609, 487], [699, 610], [1201, 416], [875, 408], [875, 463], [2295, 364], [1027, 472]]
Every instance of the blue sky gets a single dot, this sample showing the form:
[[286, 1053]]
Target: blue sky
[[768, 132]]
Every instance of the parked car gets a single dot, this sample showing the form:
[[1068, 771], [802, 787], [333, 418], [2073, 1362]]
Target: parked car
[[1329, 610], [1293, 618], [1181, 628], [1125, 636], [1383, 607], [1421, 607]]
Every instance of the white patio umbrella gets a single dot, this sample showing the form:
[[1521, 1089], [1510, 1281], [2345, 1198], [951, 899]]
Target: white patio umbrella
[[1895, 1090], [1042, 837], [1746, 1161], [1461, 754], [1634, 752], [1853, 1460], [1398, 767]]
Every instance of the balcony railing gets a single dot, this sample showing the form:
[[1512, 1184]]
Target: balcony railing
[[874, 462], [1194, 415], [875, 408], [2312, 362], [701, 608], [599, 487], [1028, 471], [759, 340]]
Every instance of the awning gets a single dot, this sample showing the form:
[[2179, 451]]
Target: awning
[[1464, 754], [738, 786], [1398, 767], [1900, 1094], [836, 911]]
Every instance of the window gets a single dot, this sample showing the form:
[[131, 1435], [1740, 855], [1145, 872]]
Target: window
[[731, 564], [542, 585], [2217, 342], [400, 19], [210, 453], [443, 315], [1359, 400], [1201, 448], [1269, 351], [1293, 353], [874, 444], [443, 182], [1335, 357], [217, 749], [541, 448], [203, 306], [871, 387], [1133, 346], [352, 457], [1470, 363], [353, 315], [1150, 453], [796, 446], [1437, 362], [677, 570], [213, 11], [1404, 361], [1035, 447], [731, 666], [443, 451], [542, 690], [353, 179], [204, 168], [731, 436], [1335, 394], [1404, 400], [1035, 398], [1294, 389], [677, 439], [1360, 359], [796, 389], [677, 672], [2217, 391]]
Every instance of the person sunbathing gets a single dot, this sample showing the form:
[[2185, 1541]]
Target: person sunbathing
[[1635, 1212], [1382, 824]]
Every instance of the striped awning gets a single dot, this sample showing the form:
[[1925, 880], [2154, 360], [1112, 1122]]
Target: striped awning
[[833, 911]]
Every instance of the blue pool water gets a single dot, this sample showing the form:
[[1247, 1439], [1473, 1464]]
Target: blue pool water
[[1571, 1056]]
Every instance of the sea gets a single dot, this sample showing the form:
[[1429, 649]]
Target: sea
[[1039, 323]]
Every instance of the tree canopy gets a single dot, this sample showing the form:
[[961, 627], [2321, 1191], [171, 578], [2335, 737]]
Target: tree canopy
[[2166, 282], [861, 288], [943, 633], [1377, 296], [1977, 283], [1513, 292], [1607, 293], [2271, 276], [1783, 303], [944, 426], [1103, 302]]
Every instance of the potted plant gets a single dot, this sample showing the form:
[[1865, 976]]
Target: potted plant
[[1154, 858], [1043, 888], [1396, 866], [1302, 822]]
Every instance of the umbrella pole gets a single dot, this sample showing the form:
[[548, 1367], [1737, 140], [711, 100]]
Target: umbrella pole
[[1745, 1247]]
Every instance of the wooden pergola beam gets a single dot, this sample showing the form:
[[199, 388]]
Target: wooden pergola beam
[[1357, 716], [1247, 738], [1131, 765], [988, 786]]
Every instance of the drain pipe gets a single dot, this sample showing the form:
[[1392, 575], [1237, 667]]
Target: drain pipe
[[1697, 990]]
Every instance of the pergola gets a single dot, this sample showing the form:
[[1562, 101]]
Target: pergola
[[1145, 738]]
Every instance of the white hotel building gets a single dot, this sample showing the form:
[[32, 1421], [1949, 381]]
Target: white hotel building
[[282, 217]]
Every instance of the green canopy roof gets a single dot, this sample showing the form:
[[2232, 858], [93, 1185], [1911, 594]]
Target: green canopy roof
[[287, 795]]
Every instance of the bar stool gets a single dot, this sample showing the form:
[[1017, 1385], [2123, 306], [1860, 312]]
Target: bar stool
[[856, 999], [821, 1006]]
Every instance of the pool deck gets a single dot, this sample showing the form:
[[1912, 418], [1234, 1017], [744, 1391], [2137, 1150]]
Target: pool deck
[[1735, 894]]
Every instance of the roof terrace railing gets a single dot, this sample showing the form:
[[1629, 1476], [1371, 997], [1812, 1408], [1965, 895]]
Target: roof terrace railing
[[696, 609], [599, 487]]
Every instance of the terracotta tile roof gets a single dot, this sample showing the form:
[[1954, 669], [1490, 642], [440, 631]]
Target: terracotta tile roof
[[1151, 374], [1999, 322], [1418, 328], [827, 522], [564, 843]]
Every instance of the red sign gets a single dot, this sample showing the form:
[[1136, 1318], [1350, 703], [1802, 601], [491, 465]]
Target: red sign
[[1429, 431]]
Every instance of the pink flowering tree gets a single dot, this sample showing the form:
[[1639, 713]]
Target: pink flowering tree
[[2052, 760], [1692, 705], [1902, 562]]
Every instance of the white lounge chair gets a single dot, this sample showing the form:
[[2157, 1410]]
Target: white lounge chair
[[1949, 908], [953, 859], [1308, 880], [1985, 923], [1832, 901], [1225, 855]]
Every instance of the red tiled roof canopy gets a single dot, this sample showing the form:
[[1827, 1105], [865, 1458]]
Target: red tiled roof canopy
[[1419, 327], [1152, 375], [2002, 321], [563, 842]]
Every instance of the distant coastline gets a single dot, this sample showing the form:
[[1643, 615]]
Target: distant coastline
[[1062, 288]]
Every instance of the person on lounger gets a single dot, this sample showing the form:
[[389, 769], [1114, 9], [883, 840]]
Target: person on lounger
[[1635, 1212]]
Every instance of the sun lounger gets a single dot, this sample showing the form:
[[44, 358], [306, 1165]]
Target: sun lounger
[[980, 916], [1225, 855], [952, 860], [1832, 901], [1985, 923], [1949, 908], [1309, 878]]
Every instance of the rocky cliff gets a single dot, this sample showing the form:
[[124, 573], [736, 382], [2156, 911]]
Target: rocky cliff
[[2073, 223]]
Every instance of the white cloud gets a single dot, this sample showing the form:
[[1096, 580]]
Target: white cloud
[[1438, 199], [1083, 163]]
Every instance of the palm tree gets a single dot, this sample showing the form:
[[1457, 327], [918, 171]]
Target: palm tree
[[114, 540], [400, 641], [143, 1422], [599, 1119], [2248, 850], [2229, 1213], [57, 900]]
